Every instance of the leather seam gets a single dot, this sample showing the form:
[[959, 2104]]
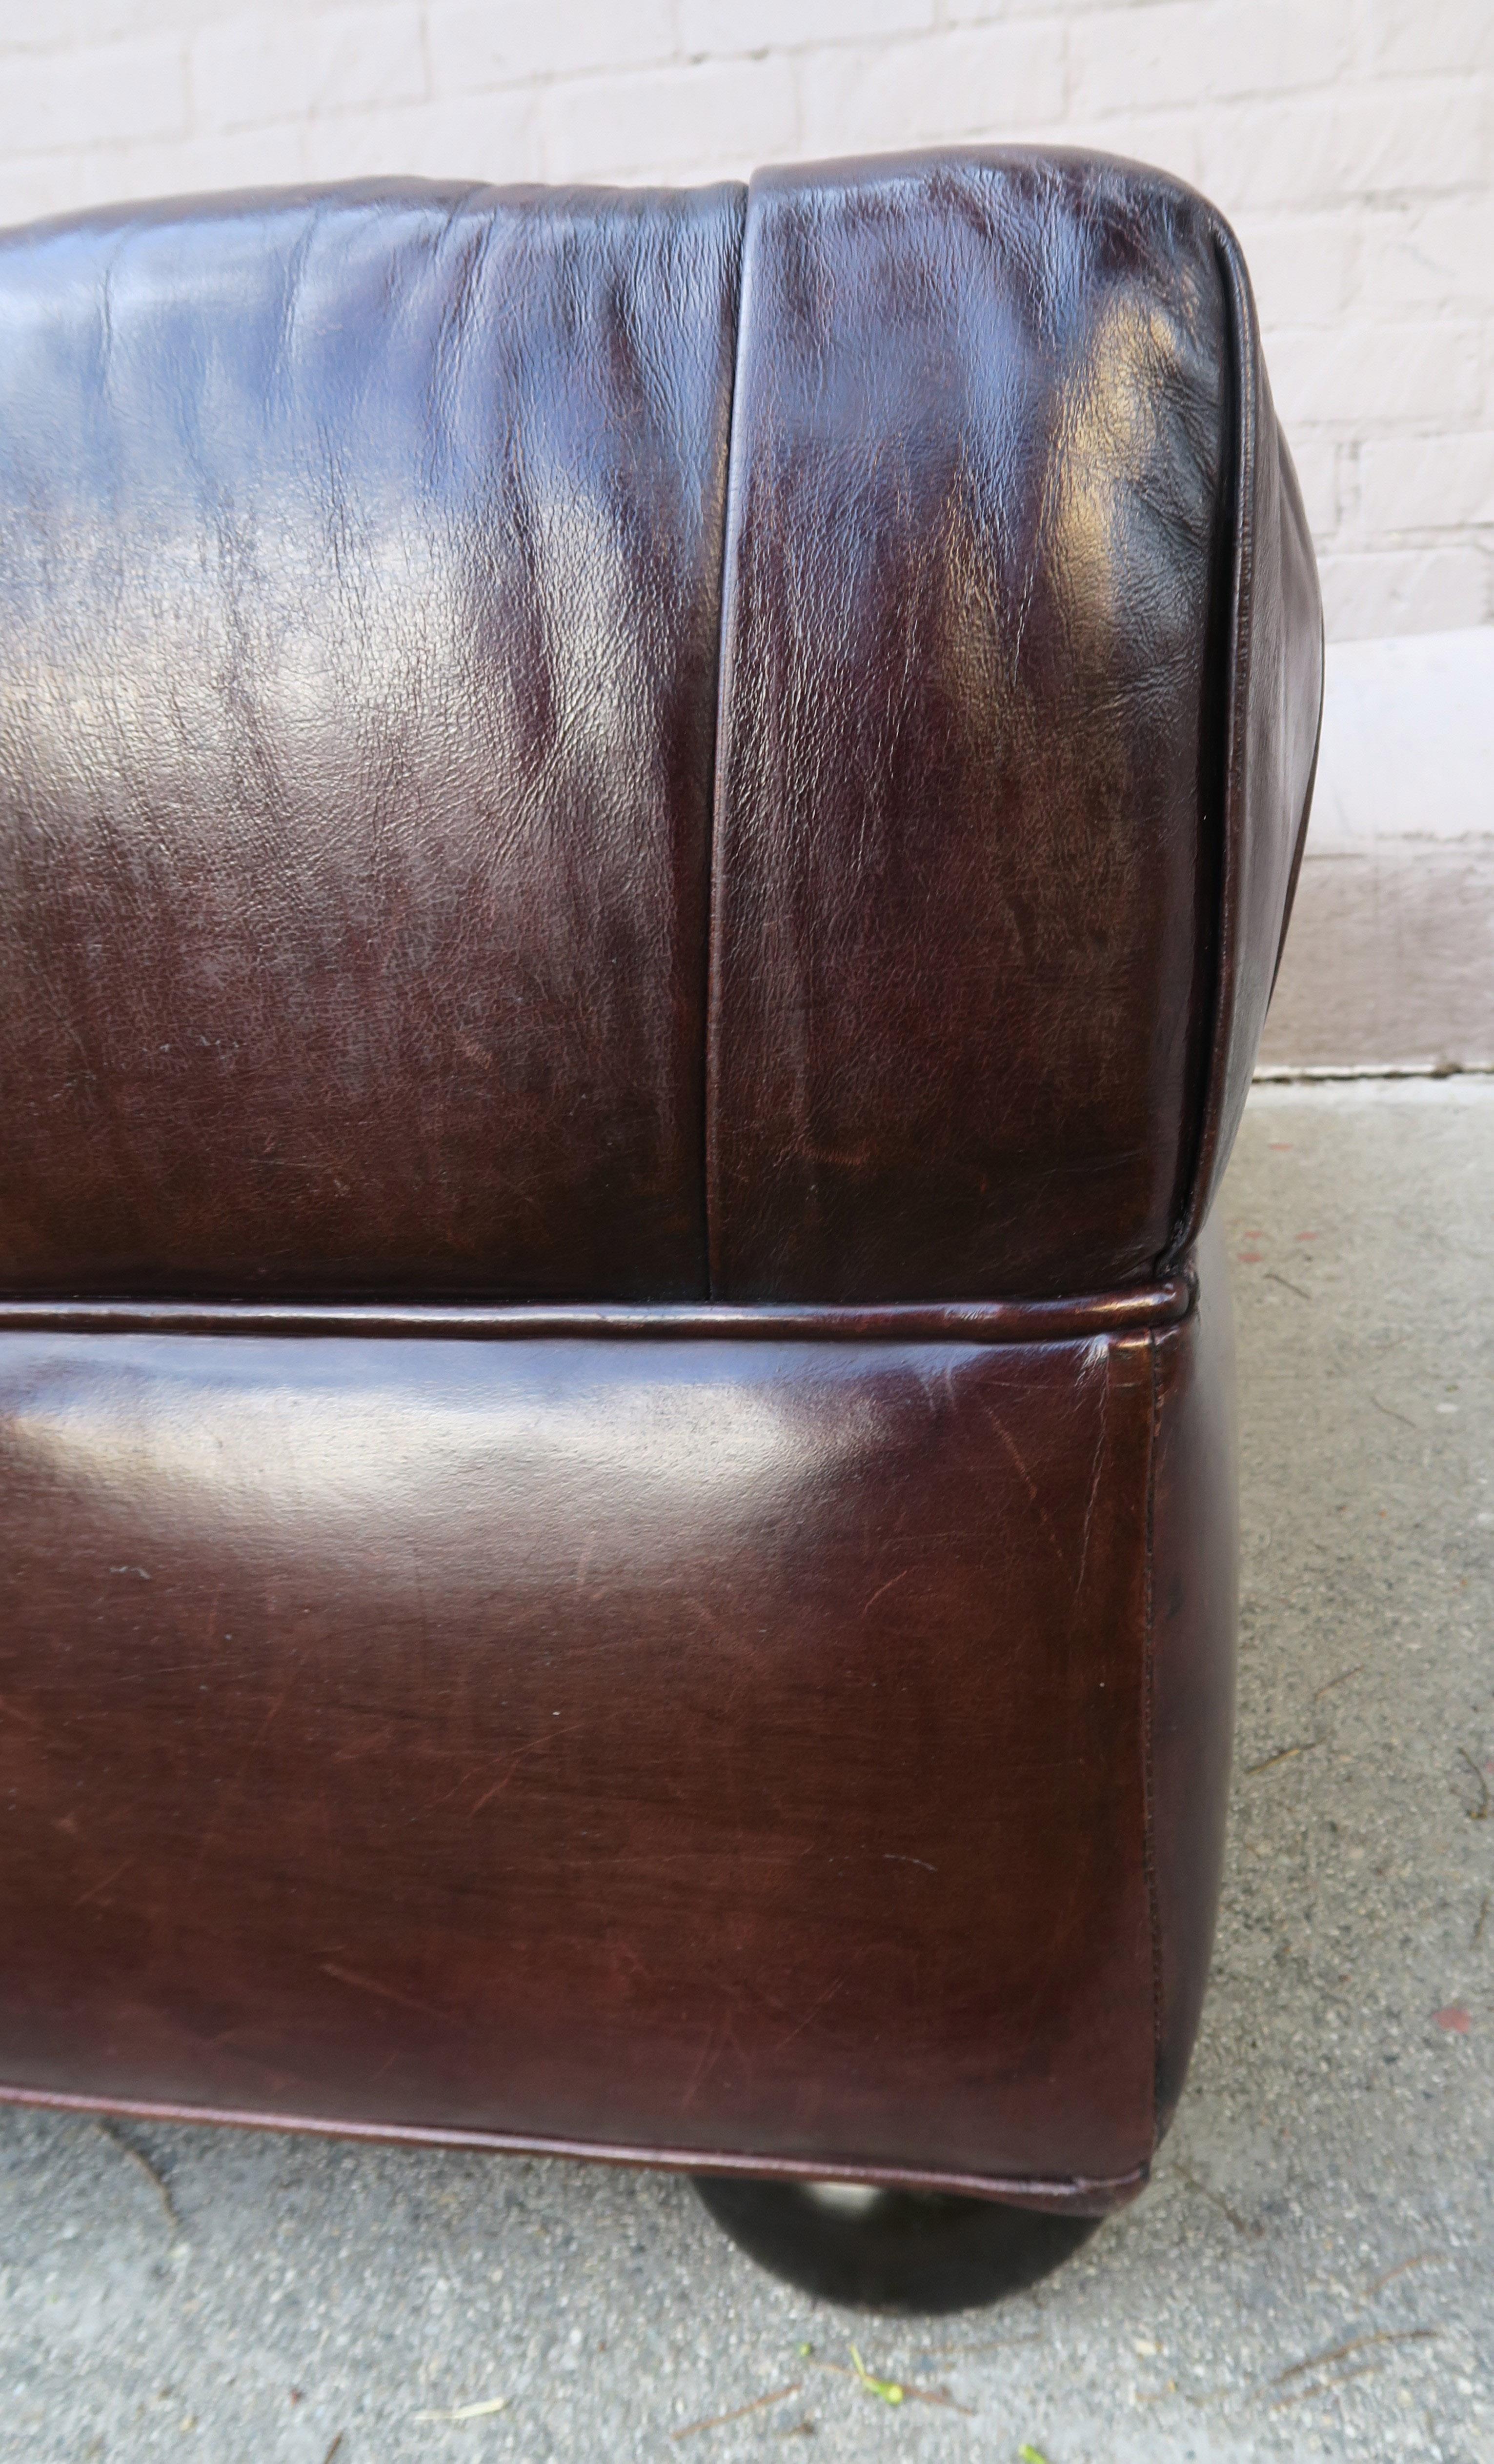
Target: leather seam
[[1148, 1737], [715, 794], [1081, 1317], [1050, 2189], [1232, 753]]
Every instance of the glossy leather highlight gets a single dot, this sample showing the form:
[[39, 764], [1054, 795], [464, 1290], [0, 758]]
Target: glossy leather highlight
[[359, 558]]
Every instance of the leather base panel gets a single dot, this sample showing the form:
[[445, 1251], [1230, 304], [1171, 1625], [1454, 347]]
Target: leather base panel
[[731, 1748]]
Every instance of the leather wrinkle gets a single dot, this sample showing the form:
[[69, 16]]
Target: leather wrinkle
[[708, 988]]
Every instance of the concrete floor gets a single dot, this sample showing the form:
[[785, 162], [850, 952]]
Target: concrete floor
[[1390, 960], [1312, 2271]]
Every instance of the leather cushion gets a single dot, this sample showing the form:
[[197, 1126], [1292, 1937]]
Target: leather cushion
[[358, 580], [361, 629], [990, 586]]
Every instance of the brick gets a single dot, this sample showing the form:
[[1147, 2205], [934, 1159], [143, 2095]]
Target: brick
[[1362, 374], [1189, 52], [1412, 37], [724, 116], [1426, 483], [1365, 141], [1317, 461], [280, 65], [1302, 266], [476, 44], [988, 12], [74, 100], [1405, 590], [725, 26], [1425, 256], [52, 25], [1352, 141], [56, 25], [260, 158], [33, 186], [490, 137], [989, 81]]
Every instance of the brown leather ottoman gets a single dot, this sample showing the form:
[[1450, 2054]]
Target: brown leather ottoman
[[643, 842]]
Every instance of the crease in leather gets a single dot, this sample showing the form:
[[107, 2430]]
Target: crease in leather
[[707, 971]]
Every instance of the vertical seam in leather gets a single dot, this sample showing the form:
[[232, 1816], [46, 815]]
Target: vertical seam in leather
[[1233, 742], [712, 990], [1148, 1728]]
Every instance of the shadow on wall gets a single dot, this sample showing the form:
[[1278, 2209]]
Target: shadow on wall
[[1390, 960]]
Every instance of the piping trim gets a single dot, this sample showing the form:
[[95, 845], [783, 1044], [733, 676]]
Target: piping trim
[[992, 1322], [1080, 2191]]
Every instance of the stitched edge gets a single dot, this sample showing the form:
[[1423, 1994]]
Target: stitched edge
[[725, 624], [1148, 1731], [1080, 1318], [1095, 2193]]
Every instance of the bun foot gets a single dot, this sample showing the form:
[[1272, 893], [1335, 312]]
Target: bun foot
[[919, 2252]]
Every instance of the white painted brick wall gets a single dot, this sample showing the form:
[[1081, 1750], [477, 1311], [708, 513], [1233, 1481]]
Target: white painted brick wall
[[1350, 142]]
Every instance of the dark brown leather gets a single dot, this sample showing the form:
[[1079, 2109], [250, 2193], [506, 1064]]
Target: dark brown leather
[[1009, 552], [1191, 1685], [689, 1746], [583, 1564], [360, 560]]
